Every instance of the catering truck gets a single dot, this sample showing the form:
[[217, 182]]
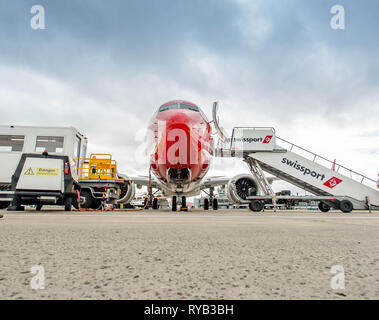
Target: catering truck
[[49, 165], [37, 166]]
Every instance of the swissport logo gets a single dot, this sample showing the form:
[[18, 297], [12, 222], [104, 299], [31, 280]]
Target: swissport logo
[[332, 182], [267, 139]]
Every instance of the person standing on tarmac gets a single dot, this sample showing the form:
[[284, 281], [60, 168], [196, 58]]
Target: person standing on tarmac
[[377, 182]]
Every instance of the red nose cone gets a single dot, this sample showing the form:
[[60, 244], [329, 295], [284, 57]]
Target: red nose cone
[[182, 141]]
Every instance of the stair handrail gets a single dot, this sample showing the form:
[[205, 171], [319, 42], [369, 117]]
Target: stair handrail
[[337, 165]]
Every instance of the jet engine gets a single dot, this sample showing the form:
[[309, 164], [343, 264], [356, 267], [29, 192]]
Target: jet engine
[[241, 186], [128, 190]]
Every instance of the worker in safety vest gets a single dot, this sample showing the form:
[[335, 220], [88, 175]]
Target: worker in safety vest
[[377, 182]]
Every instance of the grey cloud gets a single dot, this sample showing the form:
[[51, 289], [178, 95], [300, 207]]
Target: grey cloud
[[96, 46]]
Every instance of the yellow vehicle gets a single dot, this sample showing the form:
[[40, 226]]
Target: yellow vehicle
[[99, 166], [98, 180]]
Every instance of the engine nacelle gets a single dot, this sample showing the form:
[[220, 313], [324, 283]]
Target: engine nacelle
[[238, 188], [128, 190]]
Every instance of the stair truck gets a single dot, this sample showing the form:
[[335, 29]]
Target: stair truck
[[332, 185]]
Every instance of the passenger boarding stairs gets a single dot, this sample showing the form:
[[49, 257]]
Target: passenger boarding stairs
[[299, 167]]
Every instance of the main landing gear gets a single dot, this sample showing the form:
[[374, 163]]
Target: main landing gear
[[206, 204], [214, 203]]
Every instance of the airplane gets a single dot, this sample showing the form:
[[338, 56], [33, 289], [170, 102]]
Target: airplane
[[181, 147]]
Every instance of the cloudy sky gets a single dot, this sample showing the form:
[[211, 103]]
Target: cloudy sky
[[105, 66]]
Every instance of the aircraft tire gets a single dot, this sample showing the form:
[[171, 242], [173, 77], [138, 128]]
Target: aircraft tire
[[184, 202], [206, 204], [215, 204]]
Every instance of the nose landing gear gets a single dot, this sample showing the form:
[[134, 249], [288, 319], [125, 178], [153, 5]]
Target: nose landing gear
[[184, 204], [174, 204]]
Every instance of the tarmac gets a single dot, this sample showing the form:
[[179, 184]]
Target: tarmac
[[224, 254]]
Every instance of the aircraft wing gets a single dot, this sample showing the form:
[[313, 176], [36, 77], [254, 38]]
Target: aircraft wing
[[214, 182], [206, 184], [220, 180], [144, 181]]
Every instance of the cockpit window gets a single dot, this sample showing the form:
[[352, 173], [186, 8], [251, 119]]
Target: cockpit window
[[179, 106], [187, 106], [170, 106]]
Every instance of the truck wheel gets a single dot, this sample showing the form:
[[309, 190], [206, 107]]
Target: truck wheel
[[86, 200], [96, 203], [323, 207], [39, 206], [256, 206], [16, 205], [174, 204], [4, 204], [346, 206], [67, 204], [206, 204], [74, 202]]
